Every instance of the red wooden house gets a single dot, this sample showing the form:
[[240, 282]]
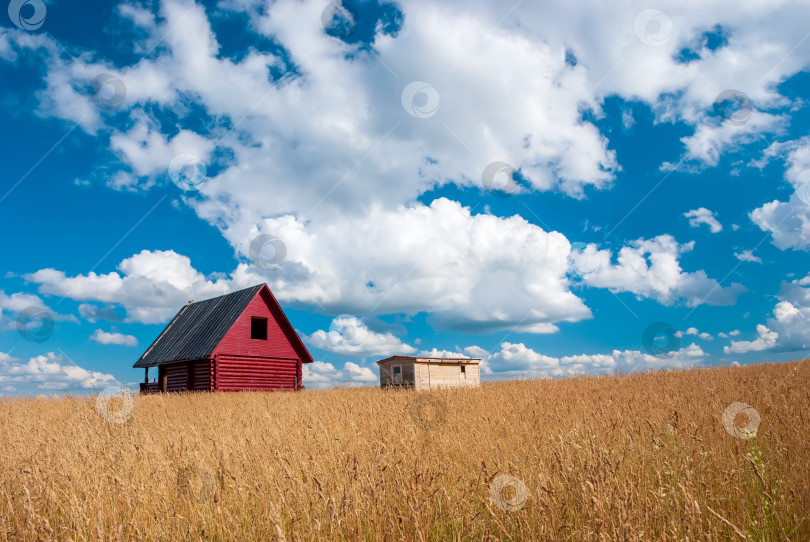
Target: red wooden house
[[239, 341]]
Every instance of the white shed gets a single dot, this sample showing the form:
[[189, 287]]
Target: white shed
[[423, 373]]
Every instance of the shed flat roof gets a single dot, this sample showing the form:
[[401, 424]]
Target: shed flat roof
[[427, 359]]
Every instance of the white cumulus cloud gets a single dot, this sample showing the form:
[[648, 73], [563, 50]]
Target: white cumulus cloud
[[788, 222], [48, 373], [104, 337], [150, 285], [350, 336], [747, 256], [322, 375], [328, 159], [788, 330], [517, 360], [766, 339], [650, 268], [702, 215]]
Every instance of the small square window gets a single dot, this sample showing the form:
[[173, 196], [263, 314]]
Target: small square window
[[397, 374], [258, 328]]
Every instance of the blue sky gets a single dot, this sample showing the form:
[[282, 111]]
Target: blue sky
[[535, 185]]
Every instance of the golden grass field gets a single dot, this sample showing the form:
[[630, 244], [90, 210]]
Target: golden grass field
[[638, 457]]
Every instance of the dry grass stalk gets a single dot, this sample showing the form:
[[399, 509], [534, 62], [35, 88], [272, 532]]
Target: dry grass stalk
[[638, 457]]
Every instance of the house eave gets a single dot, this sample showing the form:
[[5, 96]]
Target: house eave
[[433, 360], [139, 365]]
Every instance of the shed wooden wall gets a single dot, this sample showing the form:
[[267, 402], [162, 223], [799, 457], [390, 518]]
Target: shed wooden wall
[[387, 373], [445, 375]]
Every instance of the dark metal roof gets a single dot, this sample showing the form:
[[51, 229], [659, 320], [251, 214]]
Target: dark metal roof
[[197, 329]]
